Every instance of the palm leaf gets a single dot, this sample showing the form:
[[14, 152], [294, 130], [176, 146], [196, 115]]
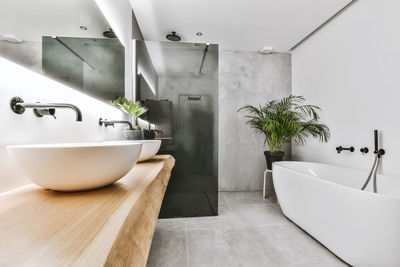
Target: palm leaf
[[286, 119]]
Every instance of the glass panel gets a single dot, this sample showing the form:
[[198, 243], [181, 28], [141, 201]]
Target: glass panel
[[185, 109], [100, 73]]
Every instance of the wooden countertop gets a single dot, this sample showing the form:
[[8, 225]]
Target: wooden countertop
[[111, 226]]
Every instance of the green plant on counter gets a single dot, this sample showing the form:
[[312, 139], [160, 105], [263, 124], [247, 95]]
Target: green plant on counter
[[286, 119], [133, 108]]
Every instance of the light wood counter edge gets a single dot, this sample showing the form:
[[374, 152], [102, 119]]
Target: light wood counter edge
[[101, 247]]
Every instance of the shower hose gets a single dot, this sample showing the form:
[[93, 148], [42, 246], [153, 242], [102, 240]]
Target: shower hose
[[373, 174]]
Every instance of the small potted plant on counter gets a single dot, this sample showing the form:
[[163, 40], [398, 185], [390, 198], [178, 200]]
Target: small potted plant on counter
[[134, 109], [283, 120]]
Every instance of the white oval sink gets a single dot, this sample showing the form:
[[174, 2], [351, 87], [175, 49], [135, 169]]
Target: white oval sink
[[75, 166], [149, 149]]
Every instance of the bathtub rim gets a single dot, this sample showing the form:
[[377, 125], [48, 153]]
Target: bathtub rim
[[376, 195]]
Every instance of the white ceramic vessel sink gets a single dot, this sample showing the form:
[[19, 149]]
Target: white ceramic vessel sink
[[149, 149], [75, 166]]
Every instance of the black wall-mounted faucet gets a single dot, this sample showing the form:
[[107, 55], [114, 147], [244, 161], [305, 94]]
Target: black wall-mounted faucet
[[40, 109], [364, 150], [111, 123], [340, 149]]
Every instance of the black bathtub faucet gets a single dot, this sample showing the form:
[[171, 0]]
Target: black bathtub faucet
[[340, 149], [378, 151]]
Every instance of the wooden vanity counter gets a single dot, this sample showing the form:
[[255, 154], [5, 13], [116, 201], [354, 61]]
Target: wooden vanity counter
[[111, 226]]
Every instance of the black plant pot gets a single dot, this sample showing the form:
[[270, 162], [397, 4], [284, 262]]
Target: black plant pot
[[149, 134], [272, 157]]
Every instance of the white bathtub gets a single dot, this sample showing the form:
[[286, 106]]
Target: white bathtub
[[360, 227]]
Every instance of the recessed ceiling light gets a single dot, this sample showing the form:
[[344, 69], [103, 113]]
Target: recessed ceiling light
[[83, 28], [199, 33], [266, 50]]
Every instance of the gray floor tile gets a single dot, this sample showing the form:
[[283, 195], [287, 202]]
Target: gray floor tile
[[242, 198], [254, 215], [332, 264], [223, 247], [168, 249], [249, 231], [171, 224], [287, 244]]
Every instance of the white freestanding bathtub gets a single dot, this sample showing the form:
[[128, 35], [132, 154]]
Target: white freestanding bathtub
[[360, 227]]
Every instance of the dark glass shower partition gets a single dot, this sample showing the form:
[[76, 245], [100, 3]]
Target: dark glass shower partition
[[190, 97]]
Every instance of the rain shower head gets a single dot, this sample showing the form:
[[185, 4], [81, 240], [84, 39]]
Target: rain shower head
[[110, 34], [173, 37]]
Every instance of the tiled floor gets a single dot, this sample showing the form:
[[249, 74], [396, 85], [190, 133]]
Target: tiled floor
[[249, 231]]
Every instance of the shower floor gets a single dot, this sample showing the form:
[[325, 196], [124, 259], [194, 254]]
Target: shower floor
[[249, 231]]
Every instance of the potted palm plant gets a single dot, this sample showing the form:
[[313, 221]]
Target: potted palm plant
[[134, 109], [281, 121]]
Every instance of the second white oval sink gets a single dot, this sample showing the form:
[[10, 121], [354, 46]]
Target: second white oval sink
[[75, 166], [149, 149]]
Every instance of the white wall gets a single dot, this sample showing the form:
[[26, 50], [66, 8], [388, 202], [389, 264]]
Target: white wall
[[246, 78], [26, 128], [351, 69], [119, 15]]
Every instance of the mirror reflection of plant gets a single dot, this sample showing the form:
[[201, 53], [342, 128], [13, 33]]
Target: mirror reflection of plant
[[133, 108], [287, 119]]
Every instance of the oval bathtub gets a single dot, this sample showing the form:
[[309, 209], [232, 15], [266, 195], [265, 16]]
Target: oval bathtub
[[360, 227]]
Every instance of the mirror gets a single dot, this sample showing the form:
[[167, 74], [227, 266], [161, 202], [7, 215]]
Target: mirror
[[178, 83], [68, 41]]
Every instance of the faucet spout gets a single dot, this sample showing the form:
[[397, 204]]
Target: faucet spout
[[19, 107]]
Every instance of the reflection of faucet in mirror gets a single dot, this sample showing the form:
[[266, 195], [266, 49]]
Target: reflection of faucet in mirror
[[111, 123], [41, 109]]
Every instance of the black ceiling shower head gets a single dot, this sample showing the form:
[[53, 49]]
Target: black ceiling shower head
[[110, 34], [173, 37]]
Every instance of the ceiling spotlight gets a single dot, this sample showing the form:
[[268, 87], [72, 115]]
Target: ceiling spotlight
[[83, 28], [199, 33]]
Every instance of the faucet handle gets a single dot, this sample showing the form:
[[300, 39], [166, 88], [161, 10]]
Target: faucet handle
[[40, 112]]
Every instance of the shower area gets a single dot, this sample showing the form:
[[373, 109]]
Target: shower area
[[184, 108]]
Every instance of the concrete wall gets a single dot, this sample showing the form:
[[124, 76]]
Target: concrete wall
[[246, 78], [26, 128], [351, 70]]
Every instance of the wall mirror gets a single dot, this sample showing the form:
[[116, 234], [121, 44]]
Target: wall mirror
[[68, 41]]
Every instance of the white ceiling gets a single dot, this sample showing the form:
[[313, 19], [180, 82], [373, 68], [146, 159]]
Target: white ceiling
[[30, 20], [245, 25]]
